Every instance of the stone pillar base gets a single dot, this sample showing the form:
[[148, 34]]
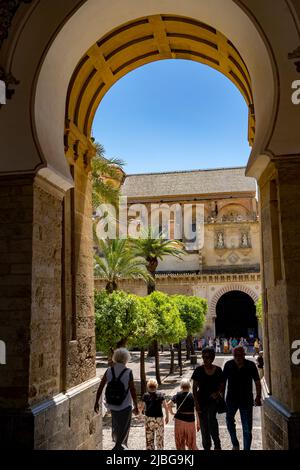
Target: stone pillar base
[[281, 428], [67, 421]]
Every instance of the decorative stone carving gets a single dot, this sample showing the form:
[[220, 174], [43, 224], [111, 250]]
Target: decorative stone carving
[[294, 56], [233, 258], [220, 243], [245, 241], [9, 80], [8, 10]]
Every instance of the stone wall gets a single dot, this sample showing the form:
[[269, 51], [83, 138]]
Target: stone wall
[[16, 219], [280, 213], [48, 384], [69, 422], [45, 333], [81, 337]]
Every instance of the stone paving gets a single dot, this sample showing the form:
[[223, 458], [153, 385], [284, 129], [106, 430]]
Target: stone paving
[[170, 385]]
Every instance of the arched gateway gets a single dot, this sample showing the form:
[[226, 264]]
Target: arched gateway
[[81, 47], [233, 312], [236, 316]]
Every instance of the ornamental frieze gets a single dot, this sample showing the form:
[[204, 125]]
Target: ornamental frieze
[[9, 81], [295, 55], [8, 10]]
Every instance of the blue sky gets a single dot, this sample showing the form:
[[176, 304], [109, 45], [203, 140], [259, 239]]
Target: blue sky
[[173, 115]]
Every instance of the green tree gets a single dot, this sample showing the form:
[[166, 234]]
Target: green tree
[[114, 260], [106, 178], [171, 328], [192, 312], [155, 249], [259, 310], [117, 318], [144, 334]]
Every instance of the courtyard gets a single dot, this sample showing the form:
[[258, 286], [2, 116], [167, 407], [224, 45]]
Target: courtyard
[[170, 385], [50, 139]]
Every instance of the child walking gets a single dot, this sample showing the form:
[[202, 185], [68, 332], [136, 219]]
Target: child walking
[[153, 402], [185, 421]]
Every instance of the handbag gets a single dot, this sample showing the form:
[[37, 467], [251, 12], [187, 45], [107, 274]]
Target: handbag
[[181, 404], [221, 405]]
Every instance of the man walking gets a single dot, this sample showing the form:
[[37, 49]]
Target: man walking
[[239, 373]]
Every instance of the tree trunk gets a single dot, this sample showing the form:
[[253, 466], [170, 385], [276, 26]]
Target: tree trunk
[[150, 287], [143, 372], [122, 343], [111, 286], [180, 358], [151, 268], [189, 347], [109, 358], [172, 359], [151, 349], [157, 371]]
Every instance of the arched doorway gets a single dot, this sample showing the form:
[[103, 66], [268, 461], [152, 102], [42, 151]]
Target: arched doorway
[[236, 315], [38, 112]]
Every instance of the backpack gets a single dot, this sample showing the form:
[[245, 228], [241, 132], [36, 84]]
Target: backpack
[[116, 392]]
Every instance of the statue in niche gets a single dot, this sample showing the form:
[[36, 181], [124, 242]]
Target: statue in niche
[[214, 210], [244, 242], [220, 240]]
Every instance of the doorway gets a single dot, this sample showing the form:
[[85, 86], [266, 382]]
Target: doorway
[[236, 316]]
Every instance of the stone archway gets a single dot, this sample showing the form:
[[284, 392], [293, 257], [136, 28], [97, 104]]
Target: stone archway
[[236, 316], [228, 288], [140, 36], [49, 294]]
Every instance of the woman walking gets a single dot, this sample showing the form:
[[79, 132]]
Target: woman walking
[[154, 401], [207, 386], [119, 395], [256, 347], [185, 429]]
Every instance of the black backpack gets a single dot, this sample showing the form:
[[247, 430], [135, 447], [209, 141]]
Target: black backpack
[[116, 392]]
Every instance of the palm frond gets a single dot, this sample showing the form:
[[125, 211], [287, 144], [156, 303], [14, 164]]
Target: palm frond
[[117, 261], [105, 171]]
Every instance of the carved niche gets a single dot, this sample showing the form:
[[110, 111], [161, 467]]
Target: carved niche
[[8, 10], [295, 56]]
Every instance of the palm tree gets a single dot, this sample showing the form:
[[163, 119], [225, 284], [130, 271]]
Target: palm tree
[[114, 261], [153, 249], [107, 177]]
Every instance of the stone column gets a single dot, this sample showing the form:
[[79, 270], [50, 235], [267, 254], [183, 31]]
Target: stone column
[[280, 213], [16, 222], [80, 297], [48, 384]]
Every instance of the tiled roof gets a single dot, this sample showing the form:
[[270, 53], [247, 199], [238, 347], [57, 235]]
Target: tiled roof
[[219, 180]]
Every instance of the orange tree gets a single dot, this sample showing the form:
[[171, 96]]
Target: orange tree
[[170, 327], [117, 318], [192, 312], [145, 332]]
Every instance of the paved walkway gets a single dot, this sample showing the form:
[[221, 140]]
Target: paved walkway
[[170, 386]]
